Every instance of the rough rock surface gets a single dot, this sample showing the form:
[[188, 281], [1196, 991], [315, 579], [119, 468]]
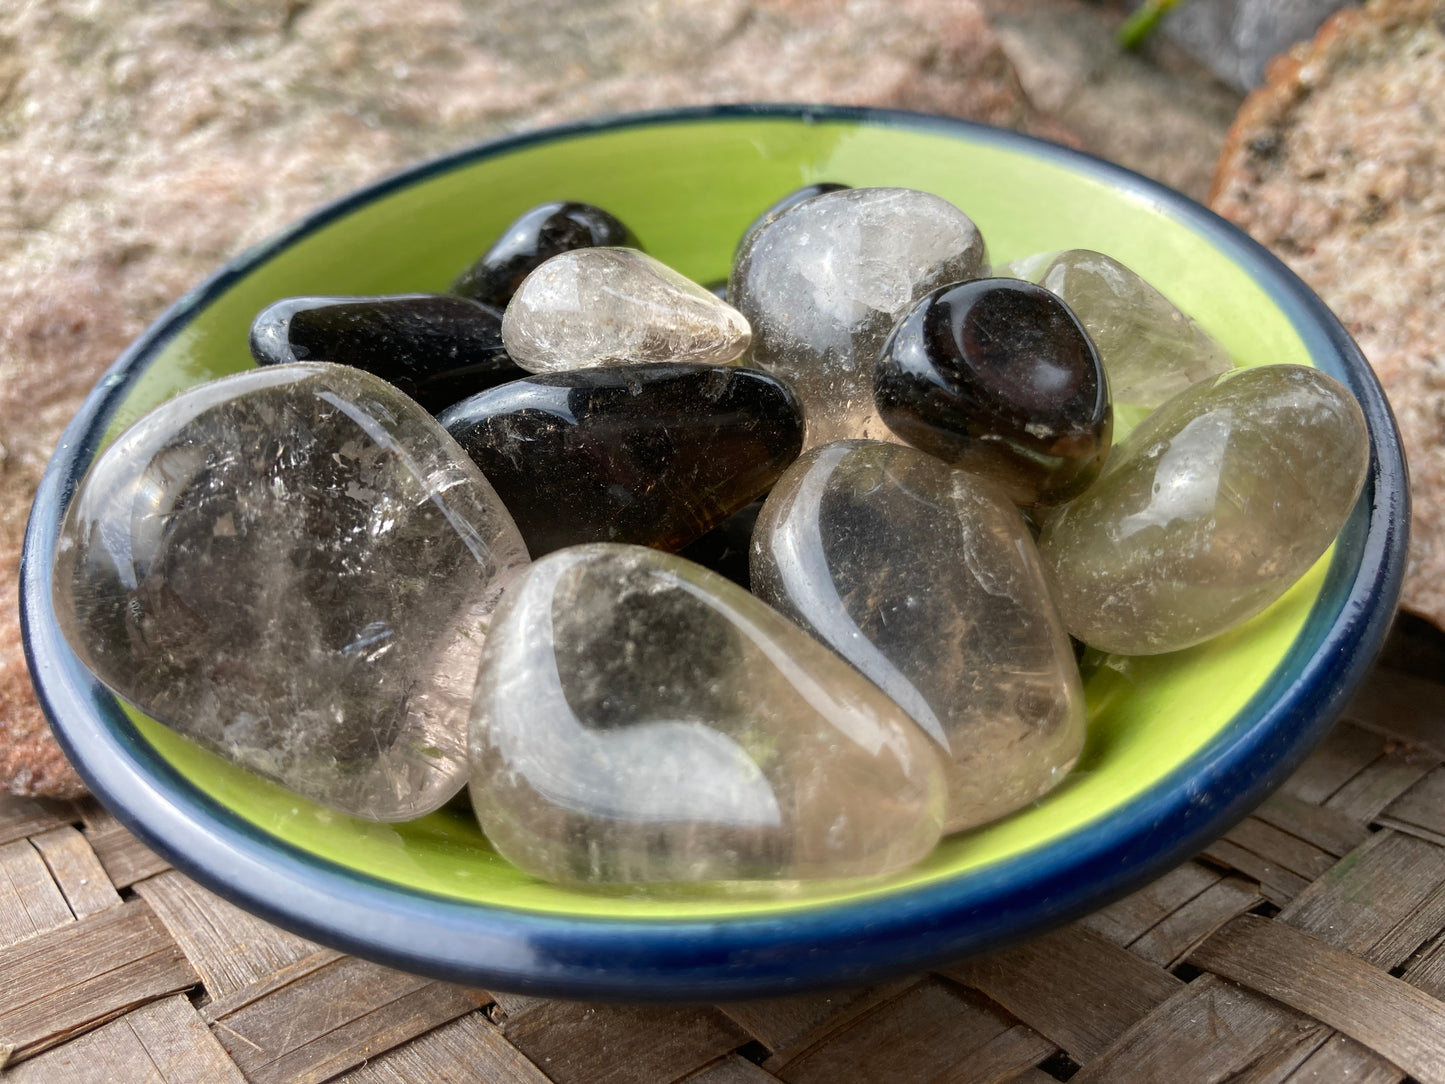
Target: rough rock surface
[[141, 144], [1338, 164], [1158, 111], [1236, 39]]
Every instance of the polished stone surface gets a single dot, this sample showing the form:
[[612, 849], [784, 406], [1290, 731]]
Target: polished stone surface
[[1150, 349], [792, 199], [725, 549], [926, 579], [823, 283], [1209, 511], [614, 306], [996, 376], [293, 567], [539, 234], [656, 455], [435, 348], [640, 719]]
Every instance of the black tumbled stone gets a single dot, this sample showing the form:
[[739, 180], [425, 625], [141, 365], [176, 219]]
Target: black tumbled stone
[[998, 376], [655, 455], [436, 348], [541, 233]]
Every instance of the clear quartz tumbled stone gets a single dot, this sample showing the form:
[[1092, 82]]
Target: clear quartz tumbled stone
[[1150, 350], [926, 579], [823, 283], [1218, 502], [293, 567], [613, 306], [640, 719]]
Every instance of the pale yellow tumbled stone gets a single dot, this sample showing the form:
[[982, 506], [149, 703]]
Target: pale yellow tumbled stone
[[1218, 502], [926, 579], [640, 719], [1150, 350], [616, 306]]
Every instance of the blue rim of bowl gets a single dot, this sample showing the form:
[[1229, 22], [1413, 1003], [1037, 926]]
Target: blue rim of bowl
[[746, 956]]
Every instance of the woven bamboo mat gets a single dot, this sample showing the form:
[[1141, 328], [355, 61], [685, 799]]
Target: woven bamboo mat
[[1307, 945]]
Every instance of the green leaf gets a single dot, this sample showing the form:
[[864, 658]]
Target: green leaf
[[1142, 23]]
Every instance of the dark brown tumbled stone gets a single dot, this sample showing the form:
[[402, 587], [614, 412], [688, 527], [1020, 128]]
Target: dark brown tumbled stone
[[435, 348], [997, 376], [656, 455], [543, 232], [725, 549]]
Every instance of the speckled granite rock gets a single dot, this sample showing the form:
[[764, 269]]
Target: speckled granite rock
[[1338, 164]]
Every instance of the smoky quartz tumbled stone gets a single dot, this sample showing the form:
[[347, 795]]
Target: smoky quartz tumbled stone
[[998, 377], [541, 233], [294, 567], [1209, 510], [823, 282], [792, 199], [615, 306], [927, 580], [650, 454], [435, 348], [639, 719]]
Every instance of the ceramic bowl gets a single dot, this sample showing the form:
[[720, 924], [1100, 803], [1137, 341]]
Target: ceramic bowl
[[1181, 746]]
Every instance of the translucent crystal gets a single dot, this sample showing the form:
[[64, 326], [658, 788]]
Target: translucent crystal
[[651, 454], [792, 199], [823, 283], [926, 579], [1149, 348], [641, 719], [294, 567], [612, 306], [1213, 506]]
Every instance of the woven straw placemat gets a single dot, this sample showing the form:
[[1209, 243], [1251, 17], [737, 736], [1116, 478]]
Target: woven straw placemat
[[1306, 945]]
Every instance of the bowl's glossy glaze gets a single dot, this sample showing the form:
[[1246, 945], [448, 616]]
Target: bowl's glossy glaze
[[1181, 745]]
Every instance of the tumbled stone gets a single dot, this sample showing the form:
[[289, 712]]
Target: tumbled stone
[[1209, 510], [725, 549], [926, 579], [651, 454], [823, 283], [541, 233], [640, 719], [294, 567], [614, 306], [1150, 350], [792, 199], [436, 348], [996, 376]]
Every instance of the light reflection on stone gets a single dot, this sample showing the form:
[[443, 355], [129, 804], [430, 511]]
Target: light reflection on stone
[[294, 567], [641, 719]]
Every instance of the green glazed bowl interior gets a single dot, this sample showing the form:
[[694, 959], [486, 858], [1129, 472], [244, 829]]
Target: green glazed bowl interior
[[689, 184]]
